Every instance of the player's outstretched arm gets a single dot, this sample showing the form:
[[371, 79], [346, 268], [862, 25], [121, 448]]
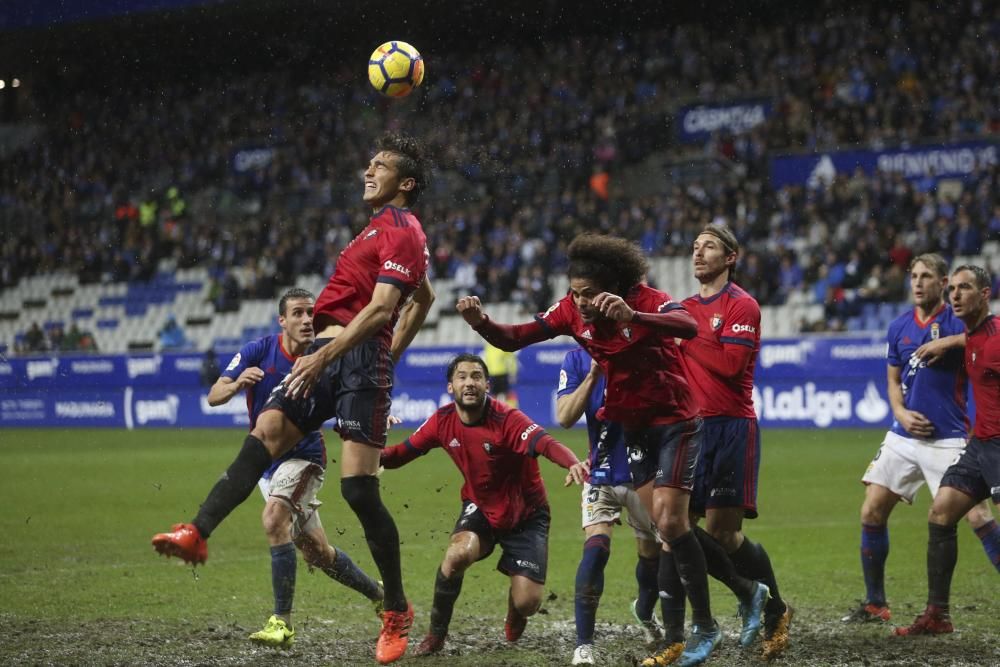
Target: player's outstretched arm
[[412, 318], [676, 322], [399, 455], [225, 387], [932, 351], [509, 337], [726, 360]]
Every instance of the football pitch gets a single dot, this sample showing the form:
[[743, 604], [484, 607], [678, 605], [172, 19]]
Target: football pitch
[[81, 584]]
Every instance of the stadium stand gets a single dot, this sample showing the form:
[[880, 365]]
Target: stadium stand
[[203, 198]]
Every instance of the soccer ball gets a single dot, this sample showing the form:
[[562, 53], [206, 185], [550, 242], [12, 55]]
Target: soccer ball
[[395, 69]]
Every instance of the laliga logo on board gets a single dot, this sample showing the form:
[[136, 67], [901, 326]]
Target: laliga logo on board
[[871, 408], [822, 408]]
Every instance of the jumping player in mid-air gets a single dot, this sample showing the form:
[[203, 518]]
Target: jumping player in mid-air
[[346, 374], [291, 484]]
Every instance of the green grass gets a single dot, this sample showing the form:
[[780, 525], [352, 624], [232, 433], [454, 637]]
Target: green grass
[[81, 506]]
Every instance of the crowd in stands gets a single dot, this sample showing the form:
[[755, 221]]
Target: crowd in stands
[[54, 340], [531, 144]]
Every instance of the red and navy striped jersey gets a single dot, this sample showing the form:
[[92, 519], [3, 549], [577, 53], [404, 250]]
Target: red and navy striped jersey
[[646, 382], [982, 362], [391, 249], [496, 457], [730, 317]]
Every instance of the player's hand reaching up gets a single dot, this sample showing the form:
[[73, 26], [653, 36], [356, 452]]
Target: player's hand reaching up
[[613, 307], [471, 309], [578, 473]]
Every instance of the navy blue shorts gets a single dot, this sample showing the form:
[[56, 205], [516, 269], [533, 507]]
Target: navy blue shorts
[[728, 466], [977, 471], [667, 453], [525, 548], [356, 389]]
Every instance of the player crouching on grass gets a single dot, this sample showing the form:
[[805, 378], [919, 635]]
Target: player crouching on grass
[[503, 498]]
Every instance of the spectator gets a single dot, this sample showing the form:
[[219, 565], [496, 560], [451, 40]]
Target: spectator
[[172, 336]]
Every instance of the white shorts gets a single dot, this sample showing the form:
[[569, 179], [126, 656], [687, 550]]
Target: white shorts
[[295, 484], [604, 503], [902, 465]]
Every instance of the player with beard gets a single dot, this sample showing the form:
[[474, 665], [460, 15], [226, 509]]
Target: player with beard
[[628, 328], [503, 498], [975, 476], [347, 374], [720, 363], [292, 483], [928, 393]]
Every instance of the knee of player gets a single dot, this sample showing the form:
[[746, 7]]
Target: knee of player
[[729, 539], [359, 491], [457, 560], [528, 602], [277, 522]]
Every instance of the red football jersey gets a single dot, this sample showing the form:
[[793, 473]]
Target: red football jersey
[[496, 457], [731, 317], [982, 363], [391, 249], [646, 381]]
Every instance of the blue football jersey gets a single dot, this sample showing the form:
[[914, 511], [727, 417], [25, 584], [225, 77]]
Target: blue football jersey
[[608, 456], [268, 355], [938, 391]]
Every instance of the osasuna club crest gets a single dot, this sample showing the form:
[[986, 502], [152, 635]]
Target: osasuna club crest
[[488, 446], [716, 321]]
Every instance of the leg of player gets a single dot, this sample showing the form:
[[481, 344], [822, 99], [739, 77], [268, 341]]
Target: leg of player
[[337, 565], [646, 573], [670, 512], [949, 506], [272, 437], [360, 488], [981, 519], [523, 600], [277, 520], [875, 511], [725, 546], [464, 549], [752, 564], [590, 586]]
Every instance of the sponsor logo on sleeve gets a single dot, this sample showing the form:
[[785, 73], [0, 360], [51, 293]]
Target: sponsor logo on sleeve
[[235, 362], [528, 431], [398, 268]]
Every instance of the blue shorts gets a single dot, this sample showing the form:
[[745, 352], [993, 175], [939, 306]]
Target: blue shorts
[[667, 453], [356, 389], [977, 471], [525, 548], [727, 469]]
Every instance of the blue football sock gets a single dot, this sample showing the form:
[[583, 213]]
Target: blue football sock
[[874, 552], [346, 572], [283, 562], [989, 535], [590, 585], [645, 575]]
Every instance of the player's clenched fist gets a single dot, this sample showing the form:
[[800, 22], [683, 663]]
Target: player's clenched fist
[[471, 309]]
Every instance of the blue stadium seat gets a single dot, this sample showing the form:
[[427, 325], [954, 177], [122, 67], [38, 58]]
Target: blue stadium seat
[[107, 324], [81, 313]]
